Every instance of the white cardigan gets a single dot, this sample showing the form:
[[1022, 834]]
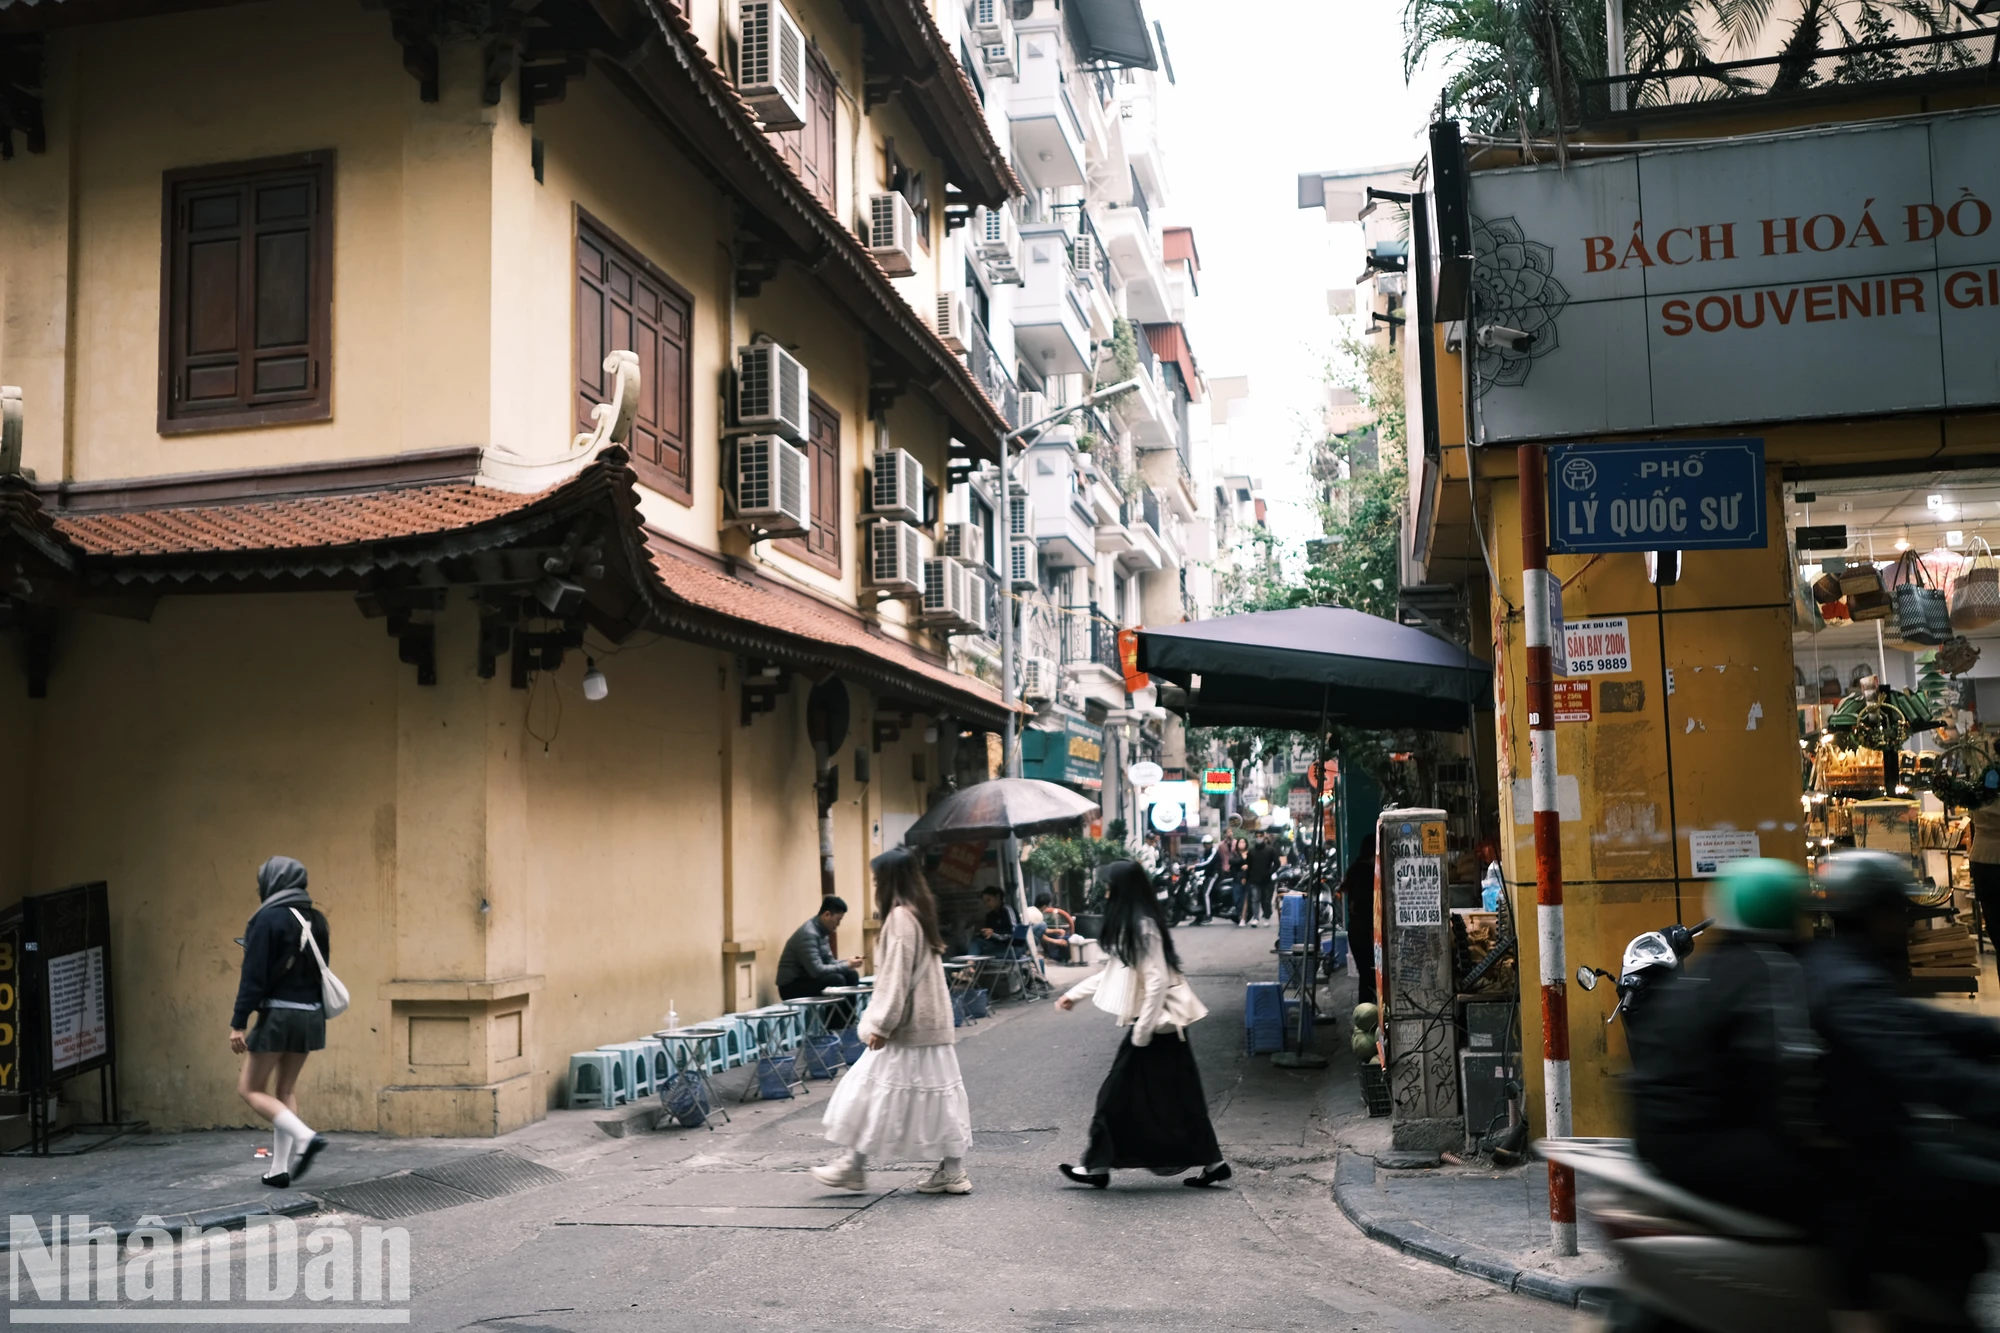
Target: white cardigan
[[1149, 996]]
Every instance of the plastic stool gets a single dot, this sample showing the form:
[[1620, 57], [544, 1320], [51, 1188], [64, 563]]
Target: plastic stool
[[640, 1075], [596, 1079]]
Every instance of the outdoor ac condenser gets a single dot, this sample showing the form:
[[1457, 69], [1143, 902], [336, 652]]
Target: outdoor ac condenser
[[771, 63], [773, 487], [771, 391], [896, 554], [954, 320], [892, 234], [944, 590], [997, 244], [897, 487], [1023, 565], [978, 593], [1038, 678]]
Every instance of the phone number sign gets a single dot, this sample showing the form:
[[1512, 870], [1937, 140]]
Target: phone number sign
[[1599, 647]]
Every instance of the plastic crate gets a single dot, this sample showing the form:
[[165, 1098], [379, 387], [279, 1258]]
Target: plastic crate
[[1375, 1089], [1263, 1018], [1293, 919]]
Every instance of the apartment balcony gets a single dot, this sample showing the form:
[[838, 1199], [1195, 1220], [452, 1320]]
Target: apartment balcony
[[991, 372], [1147, 550], [1047, 131], [1090, 648], [1135, 253], [1059, 514], [1148, 411], [1051, 320]]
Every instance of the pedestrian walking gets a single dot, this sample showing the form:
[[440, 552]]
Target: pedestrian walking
[[1151, 1111], [281, 984], [1260, 866], [904, 1098]]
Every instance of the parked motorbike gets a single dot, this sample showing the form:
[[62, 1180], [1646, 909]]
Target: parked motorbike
[[1649, 959]]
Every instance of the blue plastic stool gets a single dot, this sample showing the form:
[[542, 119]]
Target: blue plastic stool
[[637, 1057], [1263, 1018], [597, 1079]]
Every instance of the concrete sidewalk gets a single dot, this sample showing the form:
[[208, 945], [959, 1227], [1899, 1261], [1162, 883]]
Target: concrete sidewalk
[[1483, 1221]]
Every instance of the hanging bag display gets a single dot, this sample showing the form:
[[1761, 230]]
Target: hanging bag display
[[1921, 614], [1975, 599], [1861, 585]]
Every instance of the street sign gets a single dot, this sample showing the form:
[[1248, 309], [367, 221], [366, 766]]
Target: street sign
[[1705, 495], [1558, 643]]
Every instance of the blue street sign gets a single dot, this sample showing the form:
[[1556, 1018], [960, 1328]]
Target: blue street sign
[[1702, 495]]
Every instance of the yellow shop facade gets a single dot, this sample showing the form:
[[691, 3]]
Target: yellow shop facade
[[1786, 272]]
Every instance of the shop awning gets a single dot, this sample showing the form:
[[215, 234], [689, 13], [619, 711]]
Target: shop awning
[[1114, 32], [1170, 343], [1280, 668]]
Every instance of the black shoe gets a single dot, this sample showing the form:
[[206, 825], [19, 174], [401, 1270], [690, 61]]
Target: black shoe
[[312, 1149], [278, 1180], [1214, 1175], [1099, 1181]]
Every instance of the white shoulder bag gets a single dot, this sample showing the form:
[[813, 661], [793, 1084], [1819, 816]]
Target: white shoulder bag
[[333, 995]]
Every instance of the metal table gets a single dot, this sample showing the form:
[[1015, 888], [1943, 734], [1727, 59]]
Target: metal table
[[694, 1050]]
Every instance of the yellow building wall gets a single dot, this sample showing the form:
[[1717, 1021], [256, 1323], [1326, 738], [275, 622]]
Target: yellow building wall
[[1683, 753]]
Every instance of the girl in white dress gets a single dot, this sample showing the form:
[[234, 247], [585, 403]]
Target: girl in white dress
[[904, 1098]]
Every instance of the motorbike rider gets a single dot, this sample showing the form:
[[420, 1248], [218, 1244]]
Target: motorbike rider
[[1905, 1205], [1722, 1066]]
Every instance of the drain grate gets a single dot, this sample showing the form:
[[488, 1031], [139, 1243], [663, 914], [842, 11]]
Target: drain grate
[[427, 1189], [491, 1175]]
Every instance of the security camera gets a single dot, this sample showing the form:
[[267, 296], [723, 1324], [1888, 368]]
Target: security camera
[[1498, 337]]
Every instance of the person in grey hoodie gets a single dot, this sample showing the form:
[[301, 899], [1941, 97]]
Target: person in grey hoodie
[[280, 984], [905, 1097]]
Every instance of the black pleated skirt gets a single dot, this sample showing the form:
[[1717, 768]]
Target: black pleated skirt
[[1151, 1111]]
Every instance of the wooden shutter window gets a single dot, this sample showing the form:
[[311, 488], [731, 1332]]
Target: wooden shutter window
[[246, 302], [624, 301], [810, 151], [821, 546]]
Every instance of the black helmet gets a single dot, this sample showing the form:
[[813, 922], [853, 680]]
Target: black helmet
[[1858, 883]]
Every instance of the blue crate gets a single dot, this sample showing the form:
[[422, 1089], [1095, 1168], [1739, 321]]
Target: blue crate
[[1294, 919]]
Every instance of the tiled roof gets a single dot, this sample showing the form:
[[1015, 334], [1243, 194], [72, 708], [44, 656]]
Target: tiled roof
[[286, 525], [796, 617]]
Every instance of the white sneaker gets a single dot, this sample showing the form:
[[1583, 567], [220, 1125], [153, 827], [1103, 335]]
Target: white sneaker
[[958, 1182], [841, 1174]]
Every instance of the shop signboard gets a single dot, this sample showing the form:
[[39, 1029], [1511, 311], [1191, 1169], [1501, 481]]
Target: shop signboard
[[1167, 816], [1698, 496], [10, 1002], [1572, 701], [1807, 274], [1218, 780], [1073, 755], [1299, 801]]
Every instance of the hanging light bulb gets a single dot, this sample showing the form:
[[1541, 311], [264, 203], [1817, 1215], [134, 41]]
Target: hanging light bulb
[[1902, 543], [595, 686]]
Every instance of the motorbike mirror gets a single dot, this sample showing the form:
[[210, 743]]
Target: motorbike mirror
[[1586, 978]]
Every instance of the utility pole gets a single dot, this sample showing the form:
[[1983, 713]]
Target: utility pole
[[1537, 592], [1614, 51]]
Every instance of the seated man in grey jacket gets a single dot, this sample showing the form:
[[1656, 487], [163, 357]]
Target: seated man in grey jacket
[[808, 967]]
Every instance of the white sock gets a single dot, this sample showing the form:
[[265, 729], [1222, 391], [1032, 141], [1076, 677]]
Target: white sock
[[281, 1151], [288, 1122], [951, 1166]]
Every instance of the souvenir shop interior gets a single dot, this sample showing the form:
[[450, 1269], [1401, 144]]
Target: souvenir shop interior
[[1896, 643]]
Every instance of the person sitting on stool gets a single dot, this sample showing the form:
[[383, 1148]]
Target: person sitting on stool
[[808, 967], [996, 931]]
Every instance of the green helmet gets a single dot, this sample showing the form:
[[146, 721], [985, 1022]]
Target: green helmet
[[1760, 895]]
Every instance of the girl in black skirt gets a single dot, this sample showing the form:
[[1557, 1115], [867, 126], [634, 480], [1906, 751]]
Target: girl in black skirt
[[1151, 1112], [280, 985]]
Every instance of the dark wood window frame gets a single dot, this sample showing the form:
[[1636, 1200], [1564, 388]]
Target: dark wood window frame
[[803, 148], [314, 400], [677, 486], [821, 550]]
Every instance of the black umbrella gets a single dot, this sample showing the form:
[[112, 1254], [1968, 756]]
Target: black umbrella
[[1293, 669], [986, 810]]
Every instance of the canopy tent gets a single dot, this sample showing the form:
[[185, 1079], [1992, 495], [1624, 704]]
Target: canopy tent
[[1291, 669]]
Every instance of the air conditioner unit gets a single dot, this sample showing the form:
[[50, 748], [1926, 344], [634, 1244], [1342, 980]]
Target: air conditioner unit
[[771, 391], [978, 593], [1017, 515], [997, 243], [1038, 678], [997, 58], [1034, 406], [991, 20], [954, 320], [1024, 565], [965, 541], [772, 488], [892, 234], [896, 555], [897, 490], [771, 64], [1084, 253], [944, 590]]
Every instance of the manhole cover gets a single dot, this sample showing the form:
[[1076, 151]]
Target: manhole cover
[[429, 1188]]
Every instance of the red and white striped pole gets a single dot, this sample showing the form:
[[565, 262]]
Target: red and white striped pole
[[1541, 701]]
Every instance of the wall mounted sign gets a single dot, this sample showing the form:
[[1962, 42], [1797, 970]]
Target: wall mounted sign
[[1215, 780], [1806, 274], [1572, 701], [1599, 647], [1699, 496]]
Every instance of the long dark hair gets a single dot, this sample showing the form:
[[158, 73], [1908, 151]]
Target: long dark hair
[[900, 880], [1129, 900]]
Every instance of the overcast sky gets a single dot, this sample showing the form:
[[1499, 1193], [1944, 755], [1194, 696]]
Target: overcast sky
[[1263, 93]]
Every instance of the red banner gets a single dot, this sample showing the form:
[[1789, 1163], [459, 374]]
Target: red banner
[[1128, 659]]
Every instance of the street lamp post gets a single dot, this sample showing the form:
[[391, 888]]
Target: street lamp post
[[1008, 630]]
